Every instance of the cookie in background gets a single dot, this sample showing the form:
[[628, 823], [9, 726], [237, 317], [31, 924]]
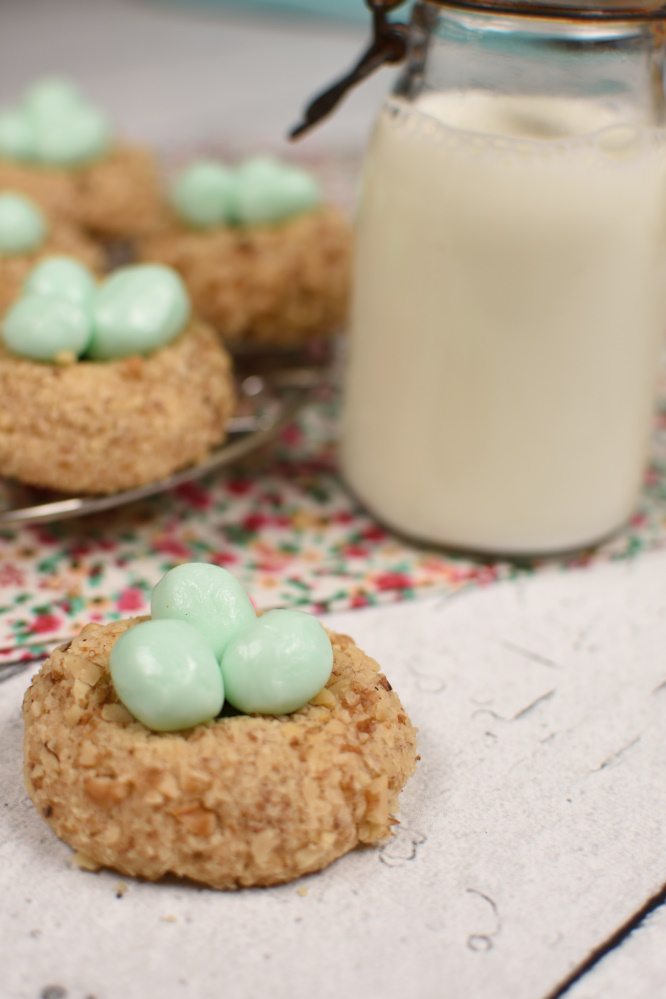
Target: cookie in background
[[28, 234], [266, 261], [107, 386], [59, 149]]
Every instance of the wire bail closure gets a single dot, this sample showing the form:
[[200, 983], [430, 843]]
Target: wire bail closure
[[388, 46], [390, 38]]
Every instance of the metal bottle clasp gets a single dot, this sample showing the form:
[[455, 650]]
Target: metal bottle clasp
[[388, 46]]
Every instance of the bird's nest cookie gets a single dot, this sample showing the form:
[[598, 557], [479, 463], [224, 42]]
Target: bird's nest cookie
[[105, 426], [243, 800], [115, 197], [278, 286]]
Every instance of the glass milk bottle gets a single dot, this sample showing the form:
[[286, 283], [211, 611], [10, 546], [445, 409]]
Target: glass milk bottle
[[510, 282]]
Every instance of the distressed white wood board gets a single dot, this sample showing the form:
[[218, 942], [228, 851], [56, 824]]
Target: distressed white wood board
[[637, 968], [532, 830]]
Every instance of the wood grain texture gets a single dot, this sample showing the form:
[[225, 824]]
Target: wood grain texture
[[636, 969]]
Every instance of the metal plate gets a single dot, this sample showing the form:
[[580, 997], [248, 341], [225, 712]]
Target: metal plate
[[267, 401]]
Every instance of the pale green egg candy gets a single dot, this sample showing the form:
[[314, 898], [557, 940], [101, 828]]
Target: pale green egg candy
[[62, 277], [208, 597], [277, 664], [75, 136], [260, 167], [299, 191], [41, 328], [268, 192], [51, 96], [137, 310], [204, 195], [18, 140], [256, 178], [23, 226], [166, 674]]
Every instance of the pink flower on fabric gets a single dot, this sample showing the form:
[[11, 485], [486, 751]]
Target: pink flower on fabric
[[43, 535], [355, 551], [131, 599], [239, 487], [393, 581], [170, 546], [374, 533], [479, 574], [11, 575], [195, 495], [292, 434], [459, 575], [276, 564], [223, 558], [80, 548], [44, 623], [254, 521]]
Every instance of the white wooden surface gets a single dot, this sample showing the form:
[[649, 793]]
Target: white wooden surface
[[532, 830], [535, 825], [637, 969]]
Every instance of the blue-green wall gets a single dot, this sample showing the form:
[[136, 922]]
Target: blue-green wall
[[347, 10]]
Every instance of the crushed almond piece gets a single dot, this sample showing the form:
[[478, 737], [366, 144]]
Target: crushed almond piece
[[117, 713], [65, 357], [84, 862], [324, 698]]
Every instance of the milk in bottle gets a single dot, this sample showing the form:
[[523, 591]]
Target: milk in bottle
[[510, 301]]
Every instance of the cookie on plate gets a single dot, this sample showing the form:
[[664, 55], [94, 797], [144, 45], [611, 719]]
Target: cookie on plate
[[27, 235], [265, 260], [57, 148], [107, 387], [241, 800]]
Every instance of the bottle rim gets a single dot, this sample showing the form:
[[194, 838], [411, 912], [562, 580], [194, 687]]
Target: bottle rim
[[644, 10]]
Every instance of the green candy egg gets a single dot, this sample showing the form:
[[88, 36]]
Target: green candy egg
[[50, 96], [277, 664], [137, 310], [22, 225], [268, 192], [206, 596], [62, 277], [259, 168], [41, 328], [76, 135], [255, 178], [18, 140], [204, 195], [298, 190], [166, 674]]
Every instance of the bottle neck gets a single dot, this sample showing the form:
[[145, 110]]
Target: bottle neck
[[617, 63]]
